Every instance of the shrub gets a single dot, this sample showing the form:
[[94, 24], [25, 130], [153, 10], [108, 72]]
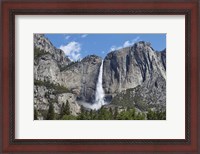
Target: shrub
[[68, 66], [65, 109], [58, 89], [156, 115], [68, 117], [35, 114], [38, 53], [51, 113]]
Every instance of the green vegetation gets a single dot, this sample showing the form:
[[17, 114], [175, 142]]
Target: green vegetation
[[104, 114], [156, 115], [73, 63], [43, 113], [35, 114], [68, 117], [38, 53], [114, 114], [51, 113], [130, 115], [58, 89], [109, 114], [65, 111], [126, 99], [123, 98], [140, 103]]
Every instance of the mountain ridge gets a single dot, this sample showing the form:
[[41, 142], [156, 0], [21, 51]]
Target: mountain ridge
[[124, 69]]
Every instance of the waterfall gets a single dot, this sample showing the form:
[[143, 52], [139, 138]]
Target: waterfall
[[99, 95]]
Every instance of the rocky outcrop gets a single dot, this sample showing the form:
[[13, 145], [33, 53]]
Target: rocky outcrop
[[46, 69], [149, 95], [71, 99], [162, 57], [129, 67], [52, 66], [43, 96], [81, 78], [136, 76], [40, 101], [43, 44], [132, 76]]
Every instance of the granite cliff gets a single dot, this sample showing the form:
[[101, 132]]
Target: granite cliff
[[136, 76], [54, 71], [132, 76]]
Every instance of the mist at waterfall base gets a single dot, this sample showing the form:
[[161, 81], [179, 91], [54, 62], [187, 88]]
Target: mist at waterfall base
[[99, 95]]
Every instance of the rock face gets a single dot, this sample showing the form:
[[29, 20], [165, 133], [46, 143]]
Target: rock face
[[131, 66], [149, 95], [81, 78], [51, 65], [43, 96], [43, 44], [132, 76], [136, 66], [71, 98], [46, 69]]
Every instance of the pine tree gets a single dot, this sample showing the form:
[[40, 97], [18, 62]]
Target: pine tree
[[132, 111], [111, 113], [115, 113], [51, 113], [95, 115], [35, 114], [91, 115], [62, 111], [67, 108], [82, 114], [104, 114]]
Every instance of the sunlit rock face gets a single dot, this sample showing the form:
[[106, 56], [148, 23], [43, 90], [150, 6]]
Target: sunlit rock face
[[131, 76], [136, 66]]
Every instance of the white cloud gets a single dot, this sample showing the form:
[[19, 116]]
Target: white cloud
[[126, 44], [84, 35], [129, 43], [72, 50], [67, 37], [113, 48]]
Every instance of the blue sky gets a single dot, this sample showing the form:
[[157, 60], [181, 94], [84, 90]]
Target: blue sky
[[77, 46]]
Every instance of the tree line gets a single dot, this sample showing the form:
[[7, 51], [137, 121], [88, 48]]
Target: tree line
[[101, 114]]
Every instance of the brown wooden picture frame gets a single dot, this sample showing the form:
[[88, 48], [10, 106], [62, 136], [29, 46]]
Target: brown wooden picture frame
[[44, 7]]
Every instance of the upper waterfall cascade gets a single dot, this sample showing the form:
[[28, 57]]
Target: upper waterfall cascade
[[99, 95]]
